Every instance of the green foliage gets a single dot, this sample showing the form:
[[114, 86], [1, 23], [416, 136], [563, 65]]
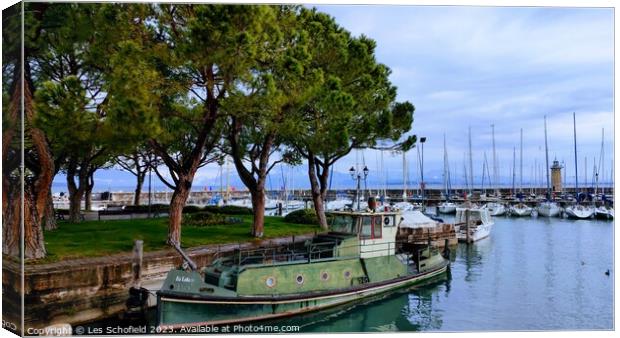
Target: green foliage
[[205, 218], [228, 210], [189, 209], [356, 106], [159, 208], [302, 216]]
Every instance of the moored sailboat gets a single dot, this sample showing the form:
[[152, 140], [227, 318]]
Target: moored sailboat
[[520, 210], [548, 208]]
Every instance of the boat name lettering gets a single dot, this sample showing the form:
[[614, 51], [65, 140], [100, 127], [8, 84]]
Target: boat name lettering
[[184, 279]]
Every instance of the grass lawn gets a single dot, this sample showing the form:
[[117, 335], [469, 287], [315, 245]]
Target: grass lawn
[[100, 238]]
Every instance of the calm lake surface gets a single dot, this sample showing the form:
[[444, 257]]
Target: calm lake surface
[[530, 274]]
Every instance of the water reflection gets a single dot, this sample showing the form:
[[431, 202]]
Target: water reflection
[[401, 310]]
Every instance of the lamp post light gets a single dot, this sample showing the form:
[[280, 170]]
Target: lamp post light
[[357, 175], [422, 185]]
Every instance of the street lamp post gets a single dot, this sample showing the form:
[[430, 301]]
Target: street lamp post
[[357, 175], [422, 140], [150, 168]]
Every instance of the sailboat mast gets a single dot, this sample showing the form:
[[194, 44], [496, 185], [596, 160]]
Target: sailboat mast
[[471, 165], [227, 179], [514, 163], [547, 159], [445, 166], [521, 163], [575, 144], [404, 176], [494, 160]]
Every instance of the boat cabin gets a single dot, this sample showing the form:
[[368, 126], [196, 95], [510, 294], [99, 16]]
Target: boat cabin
[[375, 231]]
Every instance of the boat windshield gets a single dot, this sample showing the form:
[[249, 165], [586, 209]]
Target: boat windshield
[[344, 224]]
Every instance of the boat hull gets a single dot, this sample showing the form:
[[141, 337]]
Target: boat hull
[[496, 209], [604, 213], [447, 208], [176, 311], [580, 212], [521, 212], [548, 210], [480, 232]]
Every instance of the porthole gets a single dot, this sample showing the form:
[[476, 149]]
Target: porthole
[[270, 282], [324, 276], [347, 274], [299, 279]]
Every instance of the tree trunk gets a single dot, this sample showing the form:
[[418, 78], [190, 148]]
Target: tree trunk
[[11, 215], [258, 206], [75, 206], [138, 191], [88, 199], [49, 222], [317, 196], [179, 197], [88, 191], [34, 246]]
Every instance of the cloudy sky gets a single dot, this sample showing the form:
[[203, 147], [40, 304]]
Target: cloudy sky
[[472, 67]]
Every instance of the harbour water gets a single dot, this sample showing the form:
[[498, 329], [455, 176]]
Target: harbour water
[[530, 274]]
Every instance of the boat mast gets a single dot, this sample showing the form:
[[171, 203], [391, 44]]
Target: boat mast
[[465, 172], [404, 176], [575, 145], [601, 165], [521, 163], [227, 179], [547, 160], [514, 160], [494, 161], [585, 172], [445, 167], [471, 166]]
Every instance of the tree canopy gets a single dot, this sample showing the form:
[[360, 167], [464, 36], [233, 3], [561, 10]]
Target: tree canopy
[[187, 84]]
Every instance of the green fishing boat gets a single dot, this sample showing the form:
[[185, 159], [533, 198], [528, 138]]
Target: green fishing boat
[[358, 257]]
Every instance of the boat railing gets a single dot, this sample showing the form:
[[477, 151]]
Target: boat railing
[[314, 252]]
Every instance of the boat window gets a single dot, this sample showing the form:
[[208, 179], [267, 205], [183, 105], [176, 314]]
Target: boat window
[[299, 279], [376, 227], [270, 282], [344, 223], [366, 227]]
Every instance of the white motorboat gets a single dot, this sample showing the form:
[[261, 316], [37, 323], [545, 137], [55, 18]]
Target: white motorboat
[[520, 210], [549, 209], [406, 206], [480, 224], [339, 204], [447, 207], [579, 211], [496, 209], [604, 212]]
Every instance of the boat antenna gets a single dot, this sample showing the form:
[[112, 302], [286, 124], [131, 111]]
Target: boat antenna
[[547, 160]]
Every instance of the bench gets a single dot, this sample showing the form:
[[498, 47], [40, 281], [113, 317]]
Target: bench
[[60, 215], [116, 211]]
